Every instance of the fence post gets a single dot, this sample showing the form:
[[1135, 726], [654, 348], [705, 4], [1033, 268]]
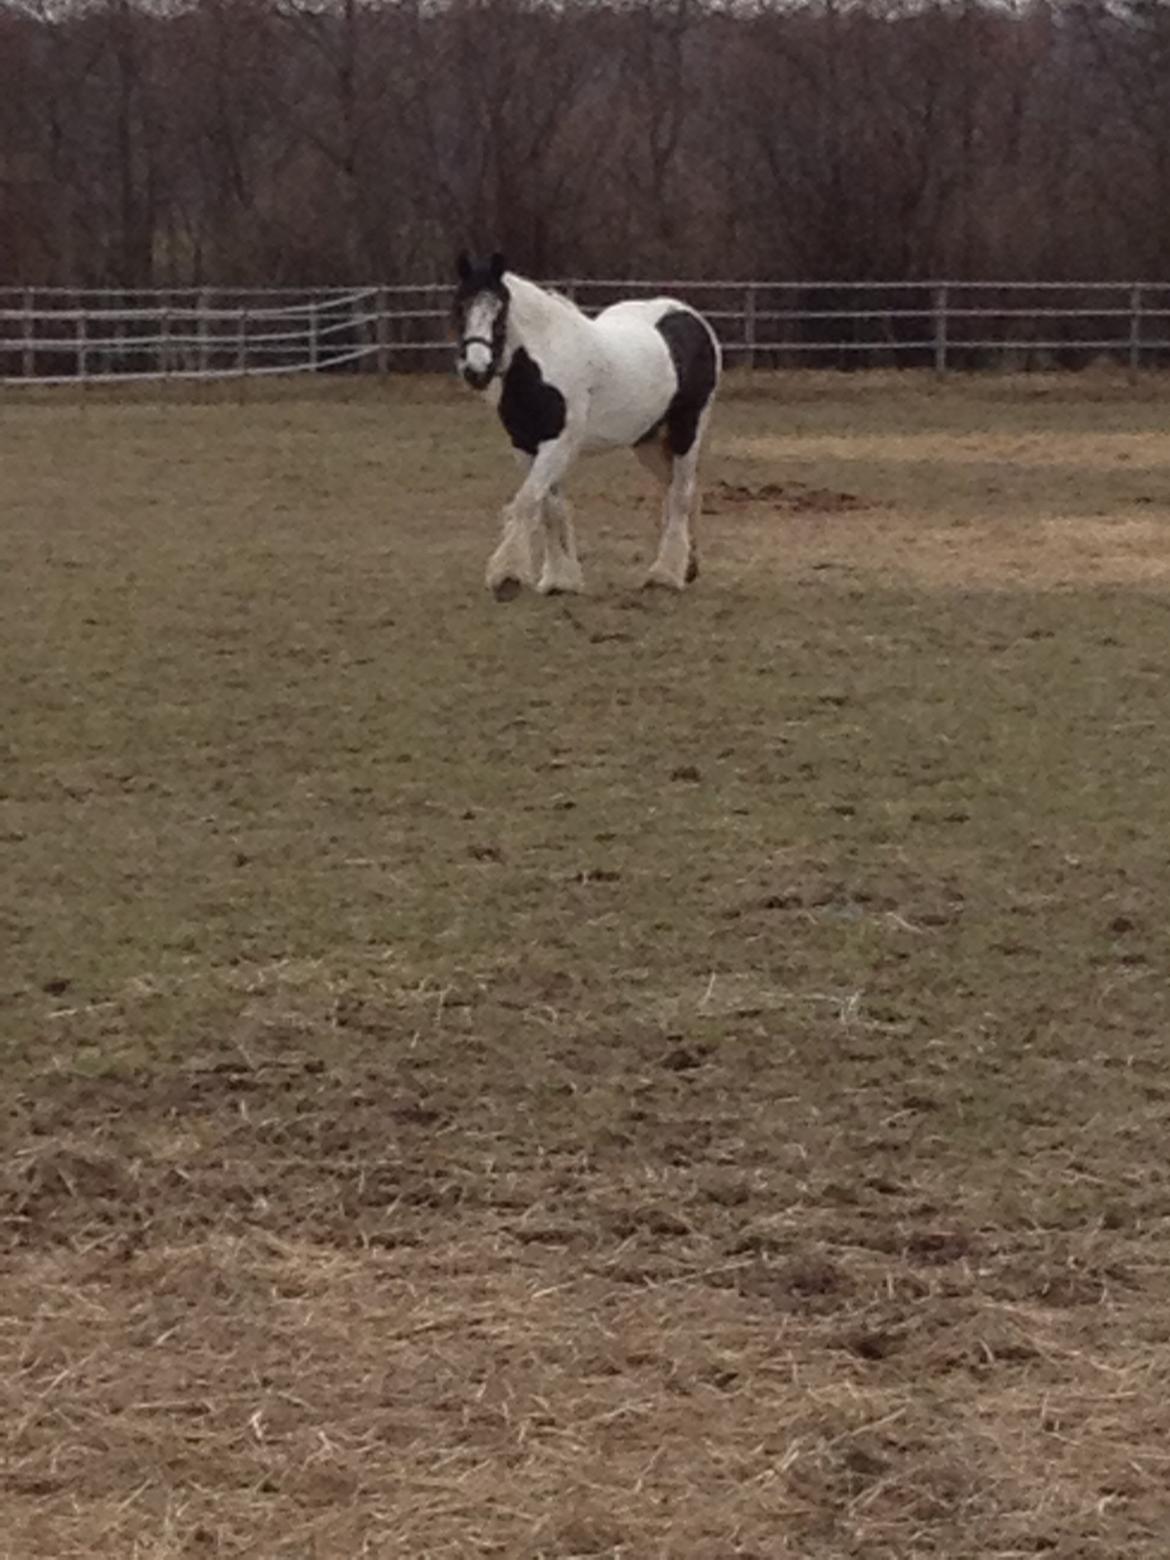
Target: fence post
[[204, 306], [1135, 327], [81, 336], [381, 332], [749, 324], [940, 329], [314, 339], [28, 355], [242, 342], [164, 338]]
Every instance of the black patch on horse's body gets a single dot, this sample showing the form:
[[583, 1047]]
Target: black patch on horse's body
[[532, 410], [693, 353]]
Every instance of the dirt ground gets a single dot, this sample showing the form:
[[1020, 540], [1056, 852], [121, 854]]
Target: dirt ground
[[642, 1077]]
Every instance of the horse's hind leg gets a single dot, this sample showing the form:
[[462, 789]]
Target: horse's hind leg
[[562, 571], [655, 456], [677, 563]]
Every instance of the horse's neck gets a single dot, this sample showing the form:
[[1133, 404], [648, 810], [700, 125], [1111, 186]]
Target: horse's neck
[[534, 315]]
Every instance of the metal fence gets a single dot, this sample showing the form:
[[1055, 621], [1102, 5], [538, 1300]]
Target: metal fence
[[56, 335]]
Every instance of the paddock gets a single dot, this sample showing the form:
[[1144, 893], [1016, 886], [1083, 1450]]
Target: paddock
[[641, 1075]]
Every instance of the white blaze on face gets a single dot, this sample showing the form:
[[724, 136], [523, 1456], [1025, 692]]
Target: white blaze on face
[[478, 325]]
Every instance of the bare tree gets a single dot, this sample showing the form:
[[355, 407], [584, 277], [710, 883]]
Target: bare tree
[[321, 140]]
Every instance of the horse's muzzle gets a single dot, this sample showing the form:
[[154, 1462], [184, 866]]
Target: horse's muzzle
[[477, 378]]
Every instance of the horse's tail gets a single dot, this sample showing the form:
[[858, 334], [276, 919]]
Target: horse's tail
[[716, 344]]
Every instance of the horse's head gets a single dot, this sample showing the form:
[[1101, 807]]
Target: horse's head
[[480, 310]]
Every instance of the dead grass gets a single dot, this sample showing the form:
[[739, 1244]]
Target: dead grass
[[651, 1078], [266, 1396]]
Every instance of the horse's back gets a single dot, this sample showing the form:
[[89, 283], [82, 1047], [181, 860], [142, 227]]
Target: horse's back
[[649, 313]]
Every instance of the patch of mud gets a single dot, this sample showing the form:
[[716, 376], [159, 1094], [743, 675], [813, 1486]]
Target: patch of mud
[[794, 498]]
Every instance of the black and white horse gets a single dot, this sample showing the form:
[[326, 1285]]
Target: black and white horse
[[642, 376]]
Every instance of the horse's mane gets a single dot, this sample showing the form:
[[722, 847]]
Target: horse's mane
[[563, 298], [551, 294]]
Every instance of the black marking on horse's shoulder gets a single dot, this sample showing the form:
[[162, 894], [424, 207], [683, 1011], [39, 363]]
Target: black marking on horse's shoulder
[[532, 410], [692, 351]]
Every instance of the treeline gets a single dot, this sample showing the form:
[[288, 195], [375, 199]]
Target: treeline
[[235, 142]]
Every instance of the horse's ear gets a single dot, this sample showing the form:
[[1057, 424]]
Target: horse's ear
[[498, 267], [463, 266]]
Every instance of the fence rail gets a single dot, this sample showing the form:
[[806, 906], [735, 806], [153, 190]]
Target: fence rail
[[52, 335]]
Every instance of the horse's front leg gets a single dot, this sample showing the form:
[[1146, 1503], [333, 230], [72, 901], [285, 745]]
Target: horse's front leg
[[562, 569], [512, 564]]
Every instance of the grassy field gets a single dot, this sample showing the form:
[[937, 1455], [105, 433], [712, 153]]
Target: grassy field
[[644, 1077]]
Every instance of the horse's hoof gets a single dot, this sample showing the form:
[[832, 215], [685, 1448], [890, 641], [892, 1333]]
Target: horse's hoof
[[659, 581], [506, 589], [562, 587]]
